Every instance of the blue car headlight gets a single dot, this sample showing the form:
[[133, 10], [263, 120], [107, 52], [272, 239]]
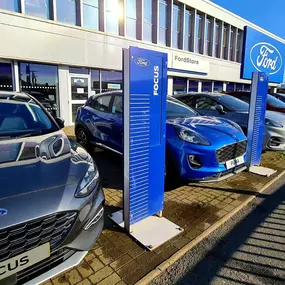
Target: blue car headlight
[[88, 183], [191, 136], [272, 123]]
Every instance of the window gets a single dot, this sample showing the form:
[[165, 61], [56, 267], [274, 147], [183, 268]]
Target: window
[[147, 21], [238, 87], [198, 48], [246, 87], [217, 39], [232, 43], [176, 26], [206, 86], [41, 81], [91, 14], [238, 46], [79, 88], [208, 49], [188, 30], [205, 103], [6, 77], [193, 86], [179, 85], [188, 100], [12, 5], [38, 8], [225, 43], [162, 22], [102, 103], [131, 19], [111, 80], [230, 87], [66, 11], [117, 107], [112, 13], [175, 108], [218, 86], [95, 81]]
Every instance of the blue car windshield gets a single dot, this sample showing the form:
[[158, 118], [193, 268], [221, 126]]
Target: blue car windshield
[[275, 102], [233, 104], [177, 109], [23, 119]]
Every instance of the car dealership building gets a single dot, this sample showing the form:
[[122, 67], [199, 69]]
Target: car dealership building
[[63, 51]]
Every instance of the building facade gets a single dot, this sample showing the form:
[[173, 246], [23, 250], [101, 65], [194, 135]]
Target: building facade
[[63, 51]]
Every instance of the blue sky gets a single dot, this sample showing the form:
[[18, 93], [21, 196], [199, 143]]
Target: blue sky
[[268, 14]]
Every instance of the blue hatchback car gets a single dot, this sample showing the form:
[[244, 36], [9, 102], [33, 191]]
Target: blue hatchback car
[[197, 147]]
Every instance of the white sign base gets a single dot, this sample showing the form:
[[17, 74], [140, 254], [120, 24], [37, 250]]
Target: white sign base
[[150, 232], [263, 171]]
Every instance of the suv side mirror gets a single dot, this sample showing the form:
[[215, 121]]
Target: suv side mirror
[[220, 108], [60, 122]]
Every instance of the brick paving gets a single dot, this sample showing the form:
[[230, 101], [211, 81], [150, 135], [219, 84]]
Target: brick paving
[[118, 259]]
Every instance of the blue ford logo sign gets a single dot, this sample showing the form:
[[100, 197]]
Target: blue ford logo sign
[[143, 62], [266, 58], [3, 212]]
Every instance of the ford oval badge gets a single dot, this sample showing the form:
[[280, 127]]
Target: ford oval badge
[[143, 62], [3, 212], [266, 58]]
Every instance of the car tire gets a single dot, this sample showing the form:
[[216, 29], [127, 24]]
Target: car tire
[[83, 138]]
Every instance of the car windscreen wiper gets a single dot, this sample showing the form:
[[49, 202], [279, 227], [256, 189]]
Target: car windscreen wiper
[[30, 134]]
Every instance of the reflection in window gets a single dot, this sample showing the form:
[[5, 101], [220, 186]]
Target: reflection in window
[[111, 80], [225, 42], [238, 87], [79, 88], [6, 77], [162, 22], [230, 87], [246, 87], [217, 39], [117, 107], [218, 86], [232, 42], [78, 70], [147, 21], [208, 36], [113, 14], [179, 85], [102, 103], [12, 5], [238, 46], [41, 81], [66, 11], [205, 103], [187, 30], [95, 81], [91, 14], [131, 18], [198, 48], [38, 8], [193, 86], [176, 26], [206, 86]]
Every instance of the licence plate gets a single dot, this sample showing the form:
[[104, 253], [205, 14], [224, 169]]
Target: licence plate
[[234, 162], [24, 260]]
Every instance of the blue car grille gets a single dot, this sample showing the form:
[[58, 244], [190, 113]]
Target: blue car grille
[[231, 151], [21, 238]]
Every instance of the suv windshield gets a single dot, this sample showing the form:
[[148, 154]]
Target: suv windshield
[[177, 109], [23, 118], [232, 103], [275, 102]]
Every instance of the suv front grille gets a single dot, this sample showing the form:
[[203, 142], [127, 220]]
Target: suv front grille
[[231, 151], [21, 238]]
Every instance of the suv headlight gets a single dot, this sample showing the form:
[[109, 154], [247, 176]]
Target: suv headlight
[[272, 123], [191, 136], [88, 183]]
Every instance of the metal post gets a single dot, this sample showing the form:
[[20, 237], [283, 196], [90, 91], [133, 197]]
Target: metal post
[[139, 19], [182, 26]]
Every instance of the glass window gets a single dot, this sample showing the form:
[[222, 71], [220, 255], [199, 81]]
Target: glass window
[[198, 48], [208, 36], [78, 70], [162, 21], [205, 103], [225, 43], [91, 14], [102, 103], [193, 86], [179, 85], [117, 107], [111, 80], [175, 26], [218, 86], [206, 86], [188, 100], [95, 81], [6, 77], [230, 87], [147, 21], [41, 81], [238, 87], [232, 42], [79, 88], [12, 5], [38, 8], [66, 11], [113, 13], [175, 108], [232, 103], [187, 30], [217, 39], [131, 13], [238, 46], [246, 87]]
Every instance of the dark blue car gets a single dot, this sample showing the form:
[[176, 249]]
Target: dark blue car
[[198, 148]]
